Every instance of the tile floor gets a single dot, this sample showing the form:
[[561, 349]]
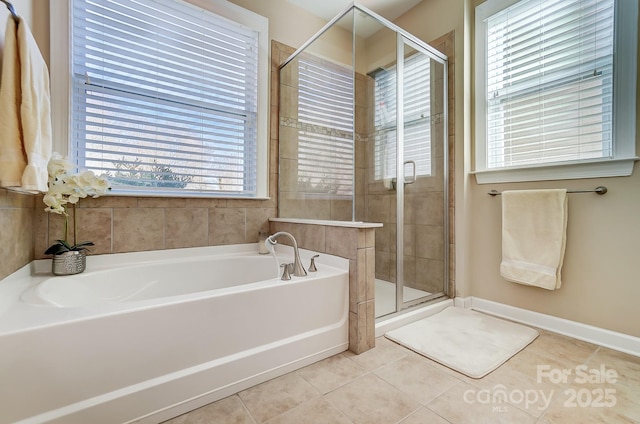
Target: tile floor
[[390, 384]]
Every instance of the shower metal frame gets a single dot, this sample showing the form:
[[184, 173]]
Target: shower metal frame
[[402, 37]]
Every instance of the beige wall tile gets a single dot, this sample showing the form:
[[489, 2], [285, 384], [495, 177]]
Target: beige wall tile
[[430, 208], [138, 229], [16, 237], [370, 319], [205, 203], [109, 202], [430, 276], [56, 226], [226, 226], [186, 227], [257, 220], [341, 210], [370, 270], [353, 286], [361, 276], [342, 242], [161, 202], [353, 332], [40, 232], [430, 241], [288, 143], [95, 225]]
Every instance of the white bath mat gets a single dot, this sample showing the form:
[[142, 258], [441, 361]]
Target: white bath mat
[[467, 341]]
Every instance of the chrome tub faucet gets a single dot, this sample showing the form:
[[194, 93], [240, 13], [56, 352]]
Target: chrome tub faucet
[[298, 269]]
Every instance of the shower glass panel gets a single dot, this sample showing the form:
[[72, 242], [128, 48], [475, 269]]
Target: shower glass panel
[[421, 199], [362, 108], [317, 128]]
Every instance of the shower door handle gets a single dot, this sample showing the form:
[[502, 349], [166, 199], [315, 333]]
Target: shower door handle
[[407, 180], [412, 178]]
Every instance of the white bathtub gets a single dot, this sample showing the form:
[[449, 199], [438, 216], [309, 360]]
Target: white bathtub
[[150, 335]]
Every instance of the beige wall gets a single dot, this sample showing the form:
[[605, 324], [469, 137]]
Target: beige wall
[[601, 272]]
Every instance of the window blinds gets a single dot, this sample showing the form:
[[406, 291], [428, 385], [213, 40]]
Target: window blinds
[[164, 96], [325, 137], [417, 117], [550, 84]]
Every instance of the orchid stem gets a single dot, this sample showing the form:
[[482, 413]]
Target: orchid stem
[[75, 225]]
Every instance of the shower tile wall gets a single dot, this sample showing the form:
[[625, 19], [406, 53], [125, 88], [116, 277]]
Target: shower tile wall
[[16, 231]]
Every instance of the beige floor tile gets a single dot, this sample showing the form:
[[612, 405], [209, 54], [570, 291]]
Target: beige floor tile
[[415, 376], [277, 396], [532, 363], [424, 416], [331, 373], [455, 374], [566, 350], [371, 400], [575, 408], [604, 401], [468, 404], [384, 353], [229, 410], [530, 394], [627, 401], [627, 366], [315, 411]]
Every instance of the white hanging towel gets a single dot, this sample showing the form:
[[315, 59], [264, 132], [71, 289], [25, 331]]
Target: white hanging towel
[[25, 112], [534, 227]]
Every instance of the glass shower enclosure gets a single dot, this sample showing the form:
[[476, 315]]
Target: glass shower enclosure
[[362, 137]]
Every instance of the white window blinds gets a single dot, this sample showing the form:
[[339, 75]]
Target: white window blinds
[[164, 97], [417, 117], [549, 82], [325, 137]]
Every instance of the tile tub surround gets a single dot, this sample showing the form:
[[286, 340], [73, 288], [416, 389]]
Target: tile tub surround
[[392, 385], [353, 241], [129, 224], [16, 231]]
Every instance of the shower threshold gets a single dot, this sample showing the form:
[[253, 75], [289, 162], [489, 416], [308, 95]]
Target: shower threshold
[[432, 306]]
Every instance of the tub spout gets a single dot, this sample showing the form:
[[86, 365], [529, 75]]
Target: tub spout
[[298, 269]]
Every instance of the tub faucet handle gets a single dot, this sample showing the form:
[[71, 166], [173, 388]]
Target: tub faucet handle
[[286, 271], [312, 266]]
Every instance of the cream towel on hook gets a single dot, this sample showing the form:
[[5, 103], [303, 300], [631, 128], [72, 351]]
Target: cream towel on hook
[[25, 112], [534, 226]]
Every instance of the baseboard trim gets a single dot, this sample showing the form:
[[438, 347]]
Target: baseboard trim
[[600, 336]]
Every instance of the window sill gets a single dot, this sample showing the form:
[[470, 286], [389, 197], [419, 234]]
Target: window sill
[[609, 168]]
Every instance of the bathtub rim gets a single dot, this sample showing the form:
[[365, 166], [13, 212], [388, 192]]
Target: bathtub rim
[[34, 317]]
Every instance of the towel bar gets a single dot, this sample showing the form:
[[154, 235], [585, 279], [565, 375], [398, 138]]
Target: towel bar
[[597, 190], [12, 10]]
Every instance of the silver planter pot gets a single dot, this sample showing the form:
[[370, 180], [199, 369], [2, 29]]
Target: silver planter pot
[[69, 263]]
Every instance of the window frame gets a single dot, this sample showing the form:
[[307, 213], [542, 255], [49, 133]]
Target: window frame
[[624, 138], [61, 91]]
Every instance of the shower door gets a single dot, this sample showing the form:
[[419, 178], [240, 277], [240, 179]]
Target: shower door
[[414, 151]]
